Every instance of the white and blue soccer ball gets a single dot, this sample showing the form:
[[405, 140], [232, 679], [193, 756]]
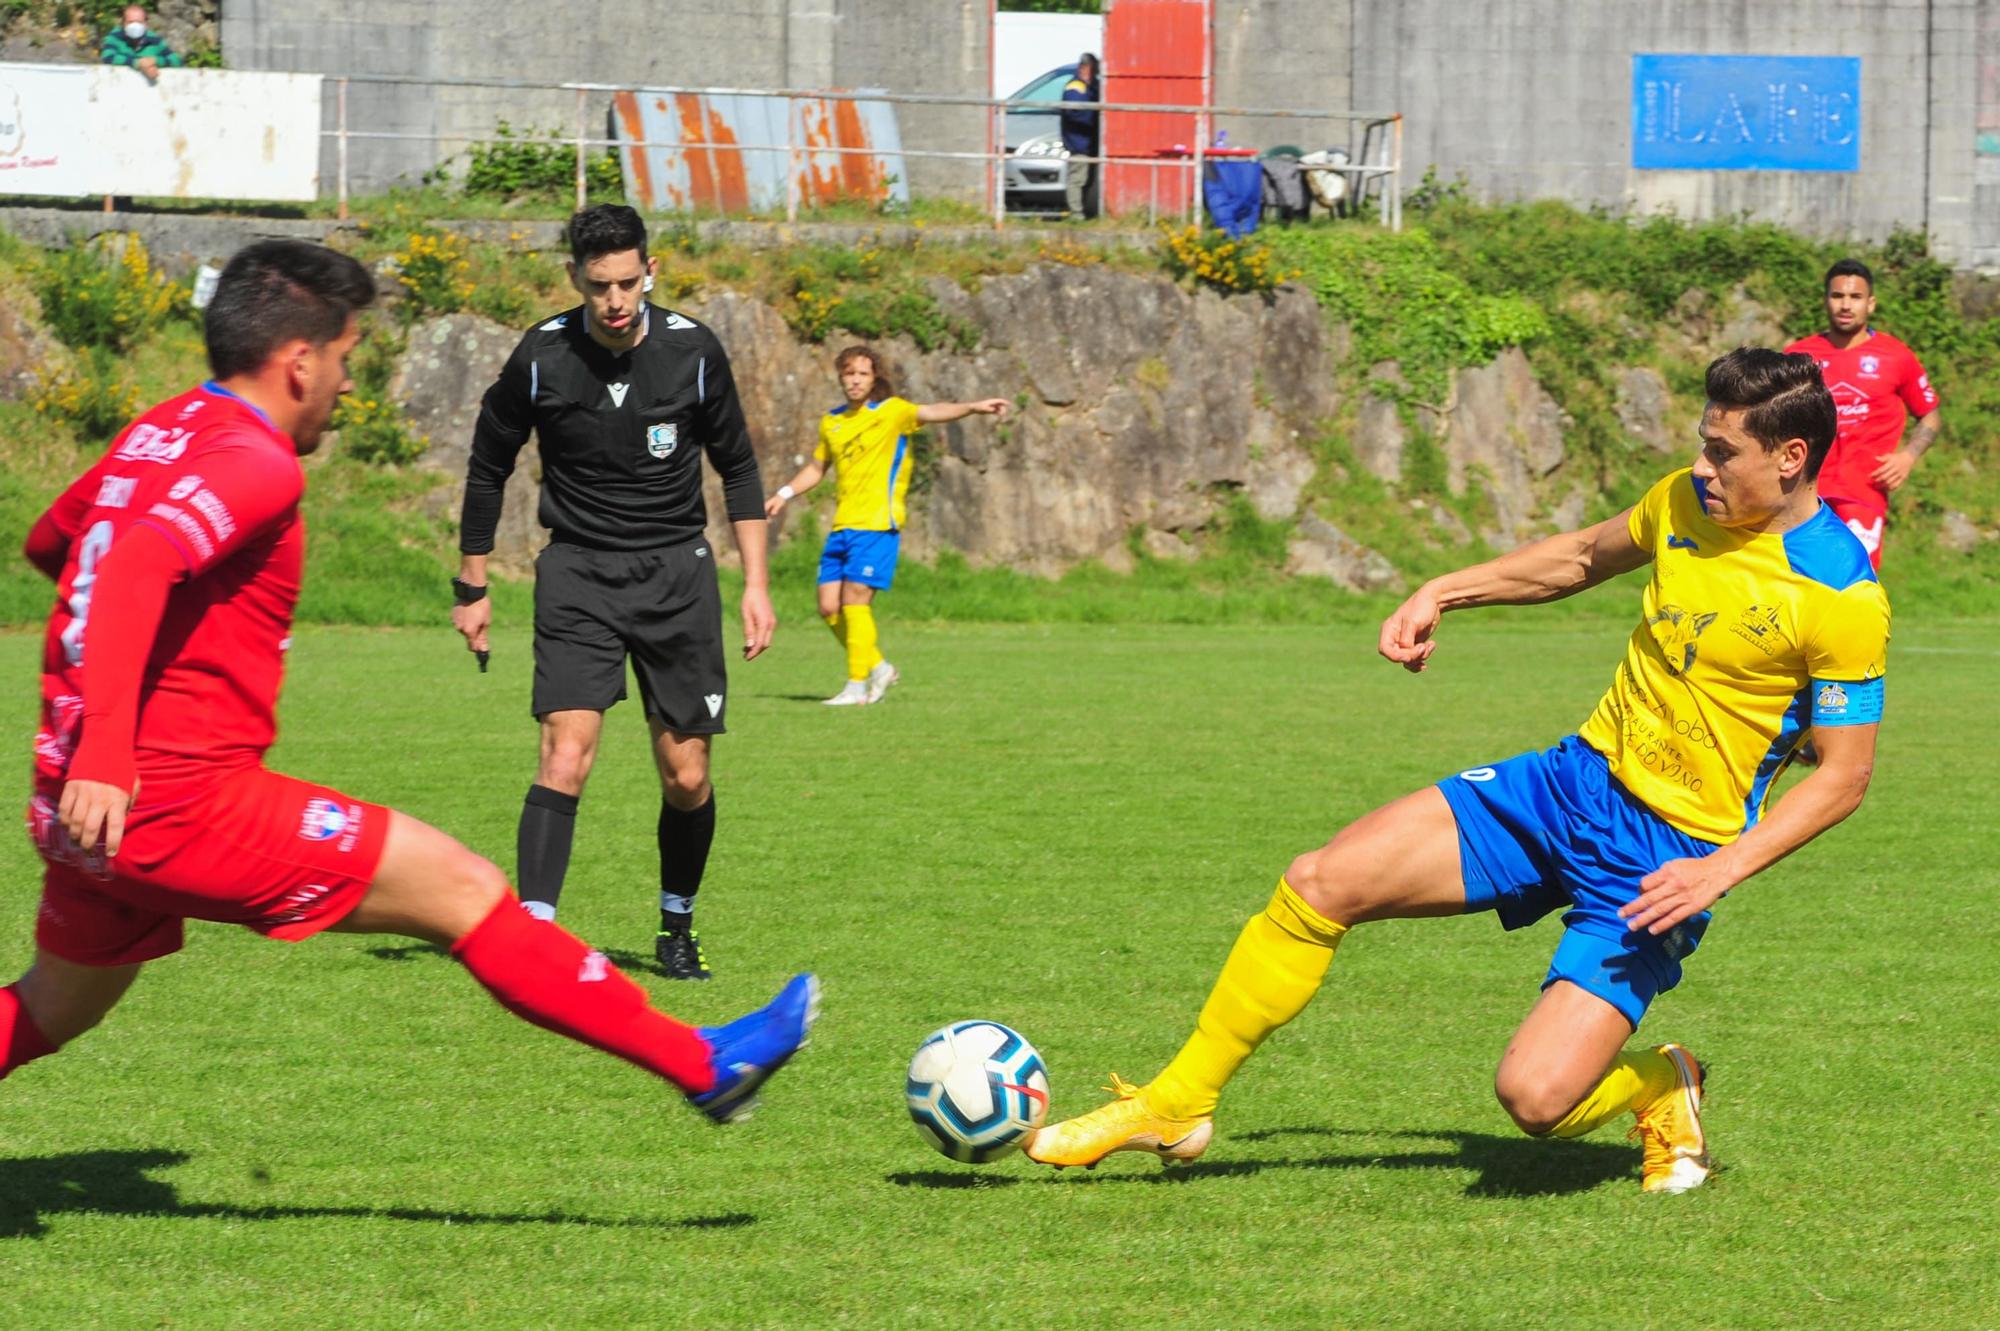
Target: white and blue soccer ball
[[976, 1089]]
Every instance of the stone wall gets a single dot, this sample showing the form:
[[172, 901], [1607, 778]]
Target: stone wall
[[1140, 409]]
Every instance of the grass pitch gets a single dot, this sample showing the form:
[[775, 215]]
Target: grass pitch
[[1061, 828]]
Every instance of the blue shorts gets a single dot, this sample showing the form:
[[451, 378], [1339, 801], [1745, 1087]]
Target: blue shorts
[[1550, 829], [866, 557]]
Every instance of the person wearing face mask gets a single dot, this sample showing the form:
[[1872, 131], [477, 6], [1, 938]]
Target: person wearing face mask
[[134, 44]]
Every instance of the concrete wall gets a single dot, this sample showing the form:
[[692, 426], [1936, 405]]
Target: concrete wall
[[1525, 98], [1286, 55], [1532, 98], [936, 46]]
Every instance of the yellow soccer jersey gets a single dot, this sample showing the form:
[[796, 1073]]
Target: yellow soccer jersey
[[869, 447], [1745, 642]]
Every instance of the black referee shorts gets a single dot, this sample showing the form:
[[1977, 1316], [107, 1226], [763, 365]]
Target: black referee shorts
[[661, 607]]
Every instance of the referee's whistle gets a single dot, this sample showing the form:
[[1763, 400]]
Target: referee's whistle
[[483, 658]]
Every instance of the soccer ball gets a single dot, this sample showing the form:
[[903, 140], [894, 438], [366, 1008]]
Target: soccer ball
[[976, 1088]]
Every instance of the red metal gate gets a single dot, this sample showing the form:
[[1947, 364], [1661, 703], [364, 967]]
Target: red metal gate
[[1157, 52]]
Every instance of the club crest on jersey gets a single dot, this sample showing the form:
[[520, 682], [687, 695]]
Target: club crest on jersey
[[1675, 631], [1762, 626], [322, 820], [661, 440], [1832, 700], [1871, 365]]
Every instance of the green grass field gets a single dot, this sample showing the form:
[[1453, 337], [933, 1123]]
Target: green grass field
[[1061, 828]]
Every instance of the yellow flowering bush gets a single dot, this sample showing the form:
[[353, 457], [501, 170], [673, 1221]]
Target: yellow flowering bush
[[431, 268], [91, 398], [1212, 259], [106, 294], [373, 430], [1068, 251]]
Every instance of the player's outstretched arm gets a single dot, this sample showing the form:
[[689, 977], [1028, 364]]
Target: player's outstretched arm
[[937, 413], [1679, 889], [1546, 570], [809, 475]]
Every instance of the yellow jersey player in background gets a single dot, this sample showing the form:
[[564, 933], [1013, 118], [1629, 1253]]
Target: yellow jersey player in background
[[1762, 622], [866, 440]]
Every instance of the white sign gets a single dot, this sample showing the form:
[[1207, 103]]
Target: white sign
[[195, 134], [43, 142]]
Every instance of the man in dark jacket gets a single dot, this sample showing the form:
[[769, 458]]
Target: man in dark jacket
[[1079, 134]]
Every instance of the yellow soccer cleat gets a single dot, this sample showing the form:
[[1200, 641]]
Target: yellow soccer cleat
[[1126, 1124], [1676, 1148]]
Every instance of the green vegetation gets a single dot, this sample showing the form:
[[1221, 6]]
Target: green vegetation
[[543, 165], [1405, 302], [105, 296], [1587, 294], [358, 1106]]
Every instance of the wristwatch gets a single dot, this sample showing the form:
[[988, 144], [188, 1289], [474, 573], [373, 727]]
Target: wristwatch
[[465, 593]]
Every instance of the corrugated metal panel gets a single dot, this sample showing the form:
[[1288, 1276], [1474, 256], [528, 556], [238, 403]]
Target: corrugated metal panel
[[735, 153], [1154, 51]]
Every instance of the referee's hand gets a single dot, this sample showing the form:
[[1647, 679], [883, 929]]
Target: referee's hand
[[473, 621], [759, 622]]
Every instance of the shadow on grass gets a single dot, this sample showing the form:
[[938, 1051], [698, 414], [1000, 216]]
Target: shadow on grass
[[623, 958], [407, 952], [1505, 1166], [117, 1183], [945, 1178]]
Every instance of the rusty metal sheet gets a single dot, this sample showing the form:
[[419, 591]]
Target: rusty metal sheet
[[736, 152]]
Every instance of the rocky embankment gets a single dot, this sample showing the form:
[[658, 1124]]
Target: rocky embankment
[[1140, 407]]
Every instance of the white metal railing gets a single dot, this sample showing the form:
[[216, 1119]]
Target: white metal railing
[[1381, 139]]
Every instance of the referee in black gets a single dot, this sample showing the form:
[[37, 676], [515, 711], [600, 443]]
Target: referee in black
[[625, 397]]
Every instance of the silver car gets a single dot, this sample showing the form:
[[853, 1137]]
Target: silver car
[[1037, 162]]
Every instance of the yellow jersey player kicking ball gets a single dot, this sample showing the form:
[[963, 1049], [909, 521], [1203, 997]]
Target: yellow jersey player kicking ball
[[866, 439], [1762, 622]]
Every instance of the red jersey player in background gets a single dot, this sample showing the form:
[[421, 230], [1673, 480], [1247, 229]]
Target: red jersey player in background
[[1873, 377], [177, 562]]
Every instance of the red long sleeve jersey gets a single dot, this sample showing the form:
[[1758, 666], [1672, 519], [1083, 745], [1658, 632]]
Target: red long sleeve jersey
[[211, 474]]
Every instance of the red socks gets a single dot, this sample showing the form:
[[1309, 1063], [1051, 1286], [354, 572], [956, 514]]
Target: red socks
[[21, 1041], [545, 974]]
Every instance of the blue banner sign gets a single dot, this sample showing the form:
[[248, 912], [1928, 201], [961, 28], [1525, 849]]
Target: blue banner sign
[[1746, 113]]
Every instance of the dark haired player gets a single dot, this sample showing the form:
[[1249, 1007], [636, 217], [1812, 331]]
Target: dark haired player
[[1762, 621], [625, 398], [177, 560], [1873, 378]]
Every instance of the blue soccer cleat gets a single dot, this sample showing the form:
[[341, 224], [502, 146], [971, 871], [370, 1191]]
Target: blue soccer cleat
[[748, 1050]]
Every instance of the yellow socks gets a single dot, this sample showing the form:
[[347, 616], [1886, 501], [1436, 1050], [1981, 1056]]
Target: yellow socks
[[1272, 973], [860, 639], [1636, 1079], [838, 624]]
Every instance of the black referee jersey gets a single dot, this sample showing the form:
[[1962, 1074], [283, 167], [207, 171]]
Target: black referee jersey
[[621, 436]]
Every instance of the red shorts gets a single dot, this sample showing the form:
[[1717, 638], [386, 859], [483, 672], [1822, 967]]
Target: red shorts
[[1867, 522], [278, 855]]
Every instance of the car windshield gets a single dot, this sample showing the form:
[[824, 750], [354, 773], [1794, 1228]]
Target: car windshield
[[1024, 123]]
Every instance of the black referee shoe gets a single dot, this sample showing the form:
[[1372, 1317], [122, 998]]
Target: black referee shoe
[[679, 954]]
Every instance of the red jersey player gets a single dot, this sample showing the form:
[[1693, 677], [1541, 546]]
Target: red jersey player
[[177, 561], [1873, 378]]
